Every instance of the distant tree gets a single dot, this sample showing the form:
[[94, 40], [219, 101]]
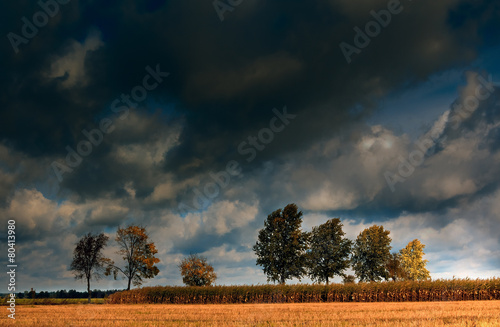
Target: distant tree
[[371, 253], [62, 294], [88, 260], [395, 268], [138, 254], [349, 279], [43, 295], [73, 294], [282, 245], [329, 251], [196, 271], [412, 261]]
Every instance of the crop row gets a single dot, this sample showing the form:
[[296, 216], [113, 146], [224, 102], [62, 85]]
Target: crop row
[[438, 290]]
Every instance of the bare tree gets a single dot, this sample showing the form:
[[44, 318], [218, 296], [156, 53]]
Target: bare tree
[[88, 261]]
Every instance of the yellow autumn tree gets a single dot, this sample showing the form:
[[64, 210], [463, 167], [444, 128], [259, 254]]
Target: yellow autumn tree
[[412, 261]]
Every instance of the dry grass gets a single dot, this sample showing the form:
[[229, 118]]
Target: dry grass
[[464, 313]]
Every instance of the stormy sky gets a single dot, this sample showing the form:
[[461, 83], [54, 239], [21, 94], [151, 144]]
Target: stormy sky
[[197, 119]]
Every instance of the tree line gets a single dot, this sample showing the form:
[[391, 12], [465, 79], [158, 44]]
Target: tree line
[[286, 252], [139, 260], [283, 250], [63, 294]]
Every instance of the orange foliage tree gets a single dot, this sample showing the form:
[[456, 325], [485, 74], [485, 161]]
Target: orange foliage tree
[[138, 254], [196, 271]]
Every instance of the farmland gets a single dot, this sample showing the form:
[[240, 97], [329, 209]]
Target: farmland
[[431, 290], [463, 313], [3, 301]]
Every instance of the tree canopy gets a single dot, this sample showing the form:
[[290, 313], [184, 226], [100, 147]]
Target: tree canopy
[[329, 251], [196, 271], [281, 245], [371, 254], [412, 261], [138, 254], [88, 260], [395, 268]]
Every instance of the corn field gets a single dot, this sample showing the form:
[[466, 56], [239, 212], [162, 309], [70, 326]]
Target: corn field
[[438, 290]]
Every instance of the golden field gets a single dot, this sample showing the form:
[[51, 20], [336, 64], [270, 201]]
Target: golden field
[[463, 313]]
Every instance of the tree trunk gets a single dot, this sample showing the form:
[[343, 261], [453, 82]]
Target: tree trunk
[[326, 280], [88, 288], [128, 287]]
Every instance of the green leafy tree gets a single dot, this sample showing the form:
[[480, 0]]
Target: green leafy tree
[[412, 261], [395, 268], [329, 251], [196, 271], [371, 253], [138, 254], [88, 260], [349, 279], [281, 245]]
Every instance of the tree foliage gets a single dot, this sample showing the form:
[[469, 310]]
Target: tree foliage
[[329, 251], [349, 279], [395, 268], [196, 271], [281, 245], [412, 261], [138, 254], [88, 260], [371, 253]]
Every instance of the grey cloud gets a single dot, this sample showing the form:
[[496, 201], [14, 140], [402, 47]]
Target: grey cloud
[[225, 78]]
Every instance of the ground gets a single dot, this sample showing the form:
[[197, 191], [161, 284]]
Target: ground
[[477, 313]]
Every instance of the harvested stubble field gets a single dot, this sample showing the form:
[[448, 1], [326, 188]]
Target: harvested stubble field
[[463, 313]]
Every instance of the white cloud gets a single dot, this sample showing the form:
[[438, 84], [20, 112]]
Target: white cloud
[[329, 198], [168, 189], [224, 254], [224, 216], [33, 213]]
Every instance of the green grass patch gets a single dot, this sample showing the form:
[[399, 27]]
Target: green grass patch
[[49, 301]]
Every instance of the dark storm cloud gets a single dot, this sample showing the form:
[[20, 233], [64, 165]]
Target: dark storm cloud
[[225, 77]]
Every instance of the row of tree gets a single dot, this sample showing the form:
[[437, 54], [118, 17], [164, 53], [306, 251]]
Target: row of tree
[[286, 252], [63, 294], [137, 253], [283, 250], [139, 260]]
